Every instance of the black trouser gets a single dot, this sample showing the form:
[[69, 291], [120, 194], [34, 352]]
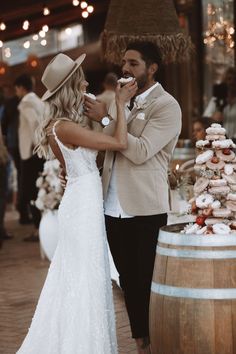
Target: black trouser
[[133, 246], [3, 198], [30, 169]]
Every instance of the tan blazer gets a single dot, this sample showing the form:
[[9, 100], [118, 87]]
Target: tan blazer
[[31, 110], [141, 169]]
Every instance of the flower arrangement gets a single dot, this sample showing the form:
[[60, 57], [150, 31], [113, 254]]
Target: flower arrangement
[[50, 190]]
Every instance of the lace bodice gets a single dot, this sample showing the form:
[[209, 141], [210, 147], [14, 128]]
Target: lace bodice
[[80, 161]]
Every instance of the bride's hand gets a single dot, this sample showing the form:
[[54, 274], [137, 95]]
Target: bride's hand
[[126, 92]]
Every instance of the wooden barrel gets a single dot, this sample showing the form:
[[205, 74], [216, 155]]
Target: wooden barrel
[[193, 294]]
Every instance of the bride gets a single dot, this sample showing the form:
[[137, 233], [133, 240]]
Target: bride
[[75, 313]]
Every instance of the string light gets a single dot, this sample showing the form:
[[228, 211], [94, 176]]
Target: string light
[[26, 44], [25, 25], [45, 28], [90, 9], [2, 26], [42, 34], [85, 14], [35, 37], [68, 31], [75, 3], [83, 5], [43, 42], [46, 11]]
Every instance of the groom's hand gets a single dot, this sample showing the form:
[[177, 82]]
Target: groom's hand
[[94, 109]]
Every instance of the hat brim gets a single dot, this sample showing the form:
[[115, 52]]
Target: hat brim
[[78, 62]]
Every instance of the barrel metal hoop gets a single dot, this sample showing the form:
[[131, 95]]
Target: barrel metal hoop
[[192, 293], [196, 240], [201, 254]]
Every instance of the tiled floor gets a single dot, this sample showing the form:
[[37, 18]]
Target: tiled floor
[[22, 273]]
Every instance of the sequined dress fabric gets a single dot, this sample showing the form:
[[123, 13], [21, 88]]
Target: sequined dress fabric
[[75, 312]]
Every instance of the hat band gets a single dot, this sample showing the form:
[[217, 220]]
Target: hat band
[[58, 85]]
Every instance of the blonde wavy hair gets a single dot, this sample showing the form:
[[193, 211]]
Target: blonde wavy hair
[[65, 104]]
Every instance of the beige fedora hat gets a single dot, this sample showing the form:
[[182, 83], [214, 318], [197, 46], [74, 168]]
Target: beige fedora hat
[[58, 71]]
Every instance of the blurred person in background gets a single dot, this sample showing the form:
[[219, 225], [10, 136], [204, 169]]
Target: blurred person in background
[[3, 188], [229, 112], [31, 110], [109, 85], [199, 128], [10, 127]]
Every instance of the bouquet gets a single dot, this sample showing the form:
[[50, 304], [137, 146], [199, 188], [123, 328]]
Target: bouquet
[[50, 190]]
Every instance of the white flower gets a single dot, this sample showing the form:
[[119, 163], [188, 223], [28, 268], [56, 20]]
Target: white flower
[[140, 103], [140, 116], [39, 182], [41, 193], [39, 204]]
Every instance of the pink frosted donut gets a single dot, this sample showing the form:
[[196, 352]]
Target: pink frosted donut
[[221, 213], [231, 196], [223, 144], [219, 190], [215, 166], [217, 182], [212, 221], [205, 156], [200, 185], [221, 229], [204, 200], [215, 130], [231, 205], [231, 179], [225, 157]]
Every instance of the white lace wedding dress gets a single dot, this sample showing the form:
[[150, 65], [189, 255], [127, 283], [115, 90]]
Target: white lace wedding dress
[[75, 313]]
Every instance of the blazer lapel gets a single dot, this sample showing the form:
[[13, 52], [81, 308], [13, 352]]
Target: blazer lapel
[[155, 93]]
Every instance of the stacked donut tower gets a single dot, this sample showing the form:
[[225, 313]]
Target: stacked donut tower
[[214, 201]]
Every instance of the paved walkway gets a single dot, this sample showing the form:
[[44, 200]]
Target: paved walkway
[[22, 274]]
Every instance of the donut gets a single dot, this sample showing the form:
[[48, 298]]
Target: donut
[[192, 229], [215, 130], [221, 213], [200, 185], [207, 212], [229, 169], [219, 190], [90, 95], [215, 165], [215, 205], [231, 205], [221, 229], [202, 143], [231, 179], [204, 200], [212, 221], [225, 157], [217, 182], [231, 196], [202, 230], [215, 137], [232, 187], [223, 144], [124, 80], [205, 156]]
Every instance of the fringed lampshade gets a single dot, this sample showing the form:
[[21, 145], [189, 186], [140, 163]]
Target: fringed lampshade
[[147, 20]]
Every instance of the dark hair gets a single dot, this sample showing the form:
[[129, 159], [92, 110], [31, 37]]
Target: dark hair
[[25, 81], [149, 51], [111, 79], [204, 121]]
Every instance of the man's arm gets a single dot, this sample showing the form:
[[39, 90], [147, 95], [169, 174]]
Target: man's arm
[[29, 114], [159, 131]]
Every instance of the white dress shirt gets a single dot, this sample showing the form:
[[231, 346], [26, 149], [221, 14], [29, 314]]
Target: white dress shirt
[[112, 204]]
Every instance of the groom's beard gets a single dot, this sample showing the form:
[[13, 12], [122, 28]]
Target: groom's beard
[[142, 81]]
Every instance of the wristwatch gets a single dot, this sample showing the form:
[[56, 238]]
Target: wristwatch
[[105, 121]]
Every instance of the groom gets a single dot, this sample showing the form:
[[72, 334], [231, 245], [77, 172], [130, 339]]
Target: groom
[[135, 181]]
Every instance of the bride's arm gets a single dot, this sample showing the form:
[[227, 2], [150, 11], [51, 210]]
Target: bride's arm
[[73, 134]]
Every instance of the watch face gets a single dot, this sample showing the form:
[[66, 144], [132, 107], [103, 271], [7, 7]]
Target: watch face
[[105, 120]]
